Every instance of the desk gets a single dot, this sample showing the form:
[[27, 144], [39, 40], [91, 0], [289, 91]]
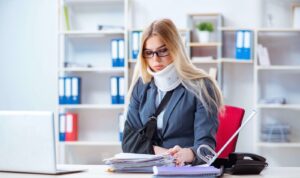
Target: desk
[[98, 171]]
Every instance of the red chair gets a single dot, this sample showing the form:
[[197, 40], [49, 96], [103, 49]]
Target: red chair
[[229, 122]]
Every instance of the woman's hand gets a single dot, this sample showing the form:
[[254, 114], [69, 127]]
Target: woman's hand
[[181, 155], [159, 150]]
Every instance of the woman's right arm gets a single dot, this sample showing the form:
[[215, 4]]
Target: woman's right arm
[[133, 117], [133, 121]]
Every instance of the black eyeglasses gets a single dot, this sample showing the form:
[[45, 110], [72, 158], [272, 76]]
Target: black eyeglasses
[[160, 53]]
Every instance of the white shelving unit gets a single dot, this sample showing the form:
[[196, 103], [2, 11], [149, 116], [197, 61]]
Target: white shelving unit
[[86, 45], [86, 143], [205, 55], [98, 118], [280, 79]]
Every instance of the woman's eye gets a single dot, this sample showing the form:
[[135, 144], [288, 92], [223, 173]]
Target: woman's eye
[[163, 50], [148, 52]]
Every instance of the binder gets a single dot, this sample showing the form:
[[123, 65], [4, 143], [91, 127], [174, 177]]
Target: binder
[[186, 171], [263, 55], [121, 50], [247, 45], [114, 52], [71, 127], [114, 90], [67, 21], [68, 87], [75, 90], [121, 90], [239, 44], [62, 127], [121, 126], [135, 44], [61, 90], [213, 73]]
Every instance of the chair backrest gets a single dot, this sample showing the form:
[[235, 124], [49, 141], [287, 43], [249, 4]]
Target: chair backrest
[[229, 122]]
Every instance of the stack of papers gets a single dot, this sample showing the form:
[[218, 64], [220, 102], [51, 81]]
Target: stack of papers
[[130, 162], [186, 171]]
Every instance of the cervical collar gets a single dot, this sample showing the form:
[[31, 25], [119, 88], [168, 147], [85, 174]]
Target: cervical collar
[[166, 79]]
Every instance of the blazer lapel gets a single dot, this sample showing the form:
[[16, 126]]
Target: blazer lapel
[[177, 94], [150, 107]]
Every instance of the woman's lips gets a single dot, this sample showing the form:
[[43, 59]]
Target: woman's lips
[[158, 67]]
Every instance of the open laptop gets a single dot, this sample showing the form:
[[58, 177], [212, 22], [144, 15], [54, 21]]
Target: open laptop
[[27, 142]]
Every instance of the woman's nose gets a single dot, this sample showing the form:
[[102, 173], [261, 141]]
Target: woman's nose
[[156, 58]]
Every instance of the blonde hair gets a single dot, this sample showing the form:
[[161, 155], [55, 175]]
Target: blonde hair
[[194, 79]]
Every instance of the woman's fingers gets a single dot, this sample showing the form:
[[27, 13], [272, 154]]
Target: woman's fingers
[[174, 150]]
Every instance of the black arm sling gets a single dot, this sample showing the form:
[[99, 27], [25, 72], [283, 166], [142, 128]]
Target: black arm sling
[[142, 140]]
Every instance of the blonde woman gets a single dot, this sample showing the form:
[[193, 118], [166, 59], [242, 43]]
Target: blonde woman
[[190, 117]]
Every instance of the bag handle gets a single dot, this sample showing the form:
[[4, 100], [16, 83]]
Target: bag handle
[[163, 103]]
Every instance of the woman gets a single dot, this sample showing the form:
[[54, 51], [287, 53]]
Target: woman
[[190, 118]]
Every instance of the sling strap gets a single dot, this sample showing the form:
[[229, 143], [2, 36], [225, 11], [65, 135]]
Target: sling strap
[[163, 103]]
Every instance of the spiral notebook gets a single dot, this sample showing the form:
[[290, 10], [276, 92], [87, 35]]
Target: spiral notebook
[[186, 170]]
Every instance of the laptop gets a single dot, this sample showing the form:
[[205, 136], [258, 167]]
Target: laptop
[[27, 142]]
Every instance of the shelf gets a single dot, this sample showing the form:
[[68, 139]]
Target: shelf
[[99, 33], [98, 70], [132, 60], [70, 2], [90, 143], [238, 61], [278, 30], [279, 68], [209, 44], [204, 14], [204, 61], [279, 145], [235, 28], [92, 106], [279, 106], [224, 60]]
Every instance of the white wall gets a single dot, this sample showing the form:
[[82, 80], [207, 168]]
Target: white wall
[[28, 54], [235, 12]]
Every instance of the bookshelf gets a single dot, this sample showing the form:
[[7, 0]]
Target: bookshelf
[[279, 79], [84, 44], [86, 31]]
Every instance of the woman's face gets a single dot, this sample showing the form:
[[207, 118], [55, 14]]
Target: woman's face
[[157, 54]]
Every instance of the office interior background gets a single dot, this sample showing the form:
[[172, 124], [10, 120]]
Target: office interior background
[[35, 42]]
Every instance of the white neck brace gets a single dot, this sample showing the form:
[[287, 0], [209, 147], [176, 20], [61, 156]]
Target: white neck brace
[[166, 79]]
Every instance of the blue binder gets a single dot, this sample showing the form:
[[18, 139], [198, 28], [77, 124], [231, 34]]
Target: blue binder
[[62, 127], [247, 45], [135, 44], [239, 44], [121, 126], [114, 52], [114, 90], [61, 90], [75, 91], [121, 90], [121, 50], [68, 90]]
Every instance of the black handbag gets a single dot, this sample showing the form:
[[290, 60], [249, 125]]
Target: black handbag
[[142, 140]]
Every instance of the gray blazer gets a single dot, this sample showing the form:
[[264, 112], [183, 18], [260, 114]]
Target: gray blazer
[[185, 121]]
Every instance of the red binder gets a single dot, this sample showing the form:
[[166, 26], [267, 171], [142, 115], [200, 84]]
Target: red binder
[[71, 127]]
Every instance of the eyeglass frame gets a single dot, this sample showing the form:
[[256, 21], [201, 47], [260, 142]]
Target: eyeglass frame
[[155, 52]]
